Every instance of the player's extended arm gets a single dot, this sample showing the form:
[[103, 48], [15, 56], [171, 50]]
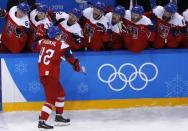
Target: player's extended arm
[[72, 60], [36, 46], [57, 22], [122, 27], [76, 38], [41, 31]]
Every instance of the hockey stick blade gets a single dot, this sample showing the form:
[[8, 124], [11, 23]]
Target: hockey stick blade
[[83, 70]]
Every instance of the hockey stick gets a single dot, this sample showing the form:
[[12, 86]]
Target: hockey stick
[[89, 39], [83, 70], [132, 4], [83, 87]]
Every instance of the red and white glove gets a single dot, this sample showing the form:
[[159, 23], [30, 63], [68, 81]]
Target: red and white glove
[[76, 65], [41, 31], [122, 27]]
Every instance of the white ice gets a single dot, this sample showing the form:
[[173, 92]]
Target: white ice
[[132, 119]]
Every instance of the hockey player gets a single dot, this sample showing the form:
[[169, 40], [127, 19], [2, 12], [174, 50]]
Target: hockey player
[[51, 52], [185, 40], [68, 23], [14, 34], [139, 30], [169, 25], [115, 19], [95, 27], [40, 22]]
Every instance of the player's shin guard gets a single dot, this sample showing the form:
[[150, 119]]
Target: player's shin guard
[[59, 119], [46, 111], [59, 104]]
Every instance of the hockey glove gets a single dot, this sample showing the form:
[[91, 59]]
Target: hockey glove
[[76, 65], [76, 38], [122, 27], [41, 31]]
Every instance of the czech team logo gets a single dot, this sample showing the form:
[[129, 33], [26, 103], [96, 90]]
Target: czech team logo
[[145, 76]]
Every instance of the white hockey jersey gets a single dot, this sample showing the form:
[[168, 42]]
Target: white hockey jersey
[[143, 21], [46, 21], [115, 28], [185, 15], [76, 29], [88, 13], [176, 20], [24, 21]]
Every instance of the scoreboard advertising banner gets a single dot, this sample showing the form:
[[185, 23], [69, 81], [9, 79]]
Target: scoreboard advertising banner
[[112, 80]]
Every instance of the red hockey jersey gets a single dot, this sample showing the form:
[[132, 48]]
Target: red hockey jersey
[[138, 34], [50, 57], [168, 34], [40, 25], [116, 34], [95, 31], [14, 34], [185, 40], [70, 31]]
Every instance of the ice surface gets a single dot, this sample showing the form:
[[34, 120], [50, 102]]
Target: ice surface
[[132, 119]]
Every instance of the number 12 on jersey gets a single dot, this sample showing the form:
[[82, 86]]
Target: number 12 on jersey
[[46, 55]]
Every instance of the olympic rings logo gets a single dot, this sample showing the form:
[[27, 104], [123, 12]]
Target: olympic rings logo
[[128, 79]]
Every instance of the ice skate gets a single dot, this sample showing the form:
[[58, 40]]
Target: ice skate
[[42, 125], [61, 121]]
